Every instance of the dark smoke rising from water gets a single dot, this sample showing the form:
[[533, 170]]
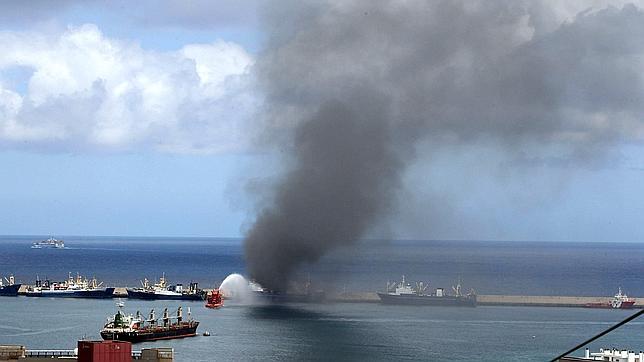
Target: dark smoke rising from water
[[361, 82], [346, 171]]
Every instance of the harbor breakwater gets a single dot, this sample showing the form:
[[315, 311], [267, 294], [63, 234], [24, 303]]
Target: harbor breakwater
[[498, 300], [482, 299]]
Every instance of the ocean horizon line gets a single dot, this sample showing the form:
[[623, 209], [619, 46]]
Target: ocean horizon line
[[240, 239]]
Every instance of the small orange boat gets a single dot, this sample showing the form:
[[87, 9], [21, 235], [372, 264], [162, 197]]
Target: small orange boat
[[214, 300]]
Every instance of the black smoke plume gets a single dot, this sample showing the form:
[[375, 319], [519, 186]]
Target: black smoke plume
[[345, 173], [351, 86]]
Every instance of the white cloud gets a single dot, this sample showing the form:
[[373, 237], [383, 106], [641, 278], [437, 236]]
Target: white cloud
[[90, 92]]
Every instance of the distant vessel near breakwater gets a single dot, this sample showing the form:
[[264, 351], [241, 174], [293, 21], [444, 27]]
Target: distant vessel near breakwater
[[77, 287], [162, 291], [619, 301], [10, 288], [404, 293]]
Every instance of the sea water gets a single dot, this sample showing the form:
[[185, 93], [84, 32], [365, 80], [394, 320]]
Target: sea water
[[339, 331]]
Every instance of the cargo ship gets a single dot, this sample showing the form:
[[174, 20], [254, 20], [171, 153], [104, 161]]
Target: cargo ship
[[161, 291], [78, 287], [10, 289], [404, 293], [135, 328], [619, 301], [50, 243]]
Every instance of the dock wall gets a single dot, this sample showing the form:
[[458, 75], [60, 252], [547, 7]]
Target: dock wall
[[500, 300]]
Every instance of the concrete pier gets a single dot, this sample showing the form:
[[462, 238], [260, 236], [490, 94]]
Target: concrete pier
[[545, 301], [500, 300]]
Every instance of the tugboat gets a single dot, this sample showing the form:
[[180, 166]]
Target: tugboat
[[161, 291], [11, 288], [48, 244], [404, 293], [135, 329], [619, 301], [214, 300]]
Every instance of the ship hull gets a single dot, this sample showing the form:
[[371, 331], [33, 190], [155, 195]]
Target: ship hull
[[151, 335], [92, 293], [10, 290], [136, 294], [608, 305], [95, 293], [451, 301]]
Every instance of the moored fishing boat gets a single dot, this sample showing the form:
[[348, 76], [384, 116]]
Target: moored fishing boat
[[161, 291], [77, 287]]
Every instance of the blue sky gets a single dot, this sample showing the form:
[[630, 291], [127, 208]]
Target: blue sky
[[142, 120], [60, 190], [124, 194]]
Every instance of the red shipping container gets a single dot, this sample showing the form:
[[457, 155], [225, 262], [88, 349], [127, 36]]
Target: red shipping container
[[104, 351]]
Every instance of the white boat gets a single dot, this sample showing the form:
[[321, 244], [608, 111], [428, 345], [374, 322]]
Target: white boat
[[49, 243]]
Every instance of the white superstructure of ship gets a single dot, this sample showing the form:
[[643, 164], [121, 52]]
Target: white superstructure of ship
[[73, 287], [162, 290], [49, 243]]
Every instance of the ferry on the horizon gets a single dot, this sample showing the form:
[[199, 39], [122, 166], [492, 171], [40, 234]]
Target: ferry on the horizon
[[404, 293], [50, 243], [135, 328], [11, 288], [619, 301]]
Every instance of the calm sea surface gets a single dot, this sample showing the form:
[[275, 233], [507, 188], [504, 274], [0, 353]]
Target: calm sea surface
[[340, 331]]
